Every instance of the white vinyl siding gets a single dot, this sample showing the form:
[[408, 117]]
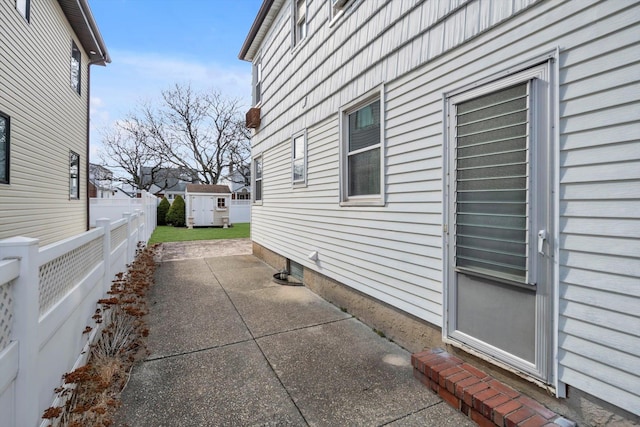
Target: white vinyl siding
[[391, 252], [599, 211], [48, 119], [420, 52]]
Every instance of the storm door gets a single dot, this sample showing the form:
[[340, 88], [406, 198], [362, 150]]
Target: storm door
[[498, 250]]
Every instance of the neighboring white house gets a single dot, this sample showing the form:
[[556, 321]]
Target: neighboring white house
[[207, 205], [474, 164], [239, 181], [46, 49], [167, 182], [100, 182]]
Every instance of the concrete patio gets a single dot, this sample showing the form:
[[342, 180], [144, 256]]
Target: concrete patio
[[228, 346]]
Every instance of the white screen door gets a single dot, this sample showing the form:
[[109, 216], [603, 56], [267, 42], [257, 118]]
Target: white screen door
[[498, 220]]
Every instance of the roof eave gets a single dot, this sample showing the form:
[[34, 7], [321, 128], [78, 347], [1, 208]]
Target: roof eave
[[266, 15], [84, 25]]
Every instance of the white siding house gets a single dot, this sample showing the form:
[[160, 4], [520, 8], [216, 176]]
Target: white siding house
[[46, 48], [474, 164]]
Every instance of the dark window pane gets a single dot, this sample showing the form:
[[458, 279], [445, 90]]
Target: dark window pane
[[258, 190], [4, 149], [364, 127], [364, 173]]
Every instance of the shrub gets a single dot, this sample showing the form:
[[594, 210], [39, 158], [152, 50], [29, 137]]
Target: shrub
[[162, 210], [176, 214]]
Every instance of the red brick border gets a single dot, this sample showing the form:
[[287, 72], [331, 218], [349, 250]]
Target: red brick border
[[487, 401]]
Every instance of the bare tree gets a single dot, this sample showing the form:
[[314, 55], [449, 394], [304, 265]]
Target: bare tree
[[124, 147], [199, 131]]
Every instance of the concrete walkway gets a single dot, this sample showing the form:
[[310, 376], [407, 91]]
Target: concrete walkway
[[228, 346]]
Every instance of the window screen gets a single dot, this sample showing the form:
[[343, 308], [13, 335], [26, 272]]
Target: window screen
[[492, 183]]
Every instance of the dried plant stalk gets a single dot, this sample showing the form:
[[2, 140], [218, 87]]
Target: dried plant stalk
[[90, 394]]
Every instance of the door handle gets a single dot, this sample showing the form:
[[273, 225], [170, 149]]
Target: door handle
[[542, 236]]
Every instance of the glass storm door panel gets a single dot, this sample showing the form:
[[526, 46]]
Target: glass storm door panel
[[497, 274]]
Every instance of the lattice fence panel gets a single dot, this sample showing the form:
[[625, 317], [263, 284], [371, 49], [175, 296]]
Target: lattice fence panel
[[61, 274], [118, 235], [6, 314]]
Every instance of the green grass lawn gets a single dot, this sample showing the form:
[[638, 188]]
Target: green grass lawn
[[165, 233]]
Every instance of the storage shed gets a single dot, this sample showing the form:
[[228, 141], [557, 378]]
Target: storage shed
[[207, 205]]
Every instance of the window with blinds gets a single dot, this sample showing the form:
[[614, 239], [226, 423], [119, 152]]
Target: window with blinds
[[492, 184]]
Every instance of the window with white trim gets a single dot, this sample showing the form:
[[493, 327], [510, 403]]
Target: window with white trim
[[299, 20], [4, 148], [338, 7], [257, 80], [24, 7], [299, 159], [257, 180], [76, 60], [74, 175], [362, 152], [221, 203]]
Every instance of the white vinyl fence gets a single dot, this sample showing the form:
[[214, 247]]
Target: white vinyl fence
[[48, 296], [114, 209], [240, 211]]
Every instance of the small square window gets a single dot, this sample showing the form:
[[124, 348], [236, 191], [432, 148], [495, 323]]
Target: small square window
[[76, 60], [257, 183], [362, 148], [24, 7], [299, 159], [74, 175], [221, 203], [4, 148]]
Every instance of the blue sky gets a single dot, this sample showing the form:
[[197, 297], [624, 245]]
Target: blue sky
[[156, 43]]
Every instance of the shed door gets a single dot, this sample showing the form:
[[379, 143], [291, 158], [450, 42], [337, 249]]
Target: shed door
[[498, 251], [202, 210]]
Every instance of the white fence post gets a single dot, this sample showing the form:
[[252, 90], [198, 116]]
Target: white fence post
[[26, 302], [139, 226], [130, 250], [105, 223]]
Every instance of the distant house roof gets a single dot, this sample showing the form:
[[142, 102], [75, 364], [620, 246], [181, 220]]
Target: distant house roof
[[166, 180], [81, 20], [207, 188]]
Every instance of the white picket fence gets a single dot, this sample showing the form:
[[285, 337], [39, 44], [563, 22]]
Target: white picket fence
[[48, 296]]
